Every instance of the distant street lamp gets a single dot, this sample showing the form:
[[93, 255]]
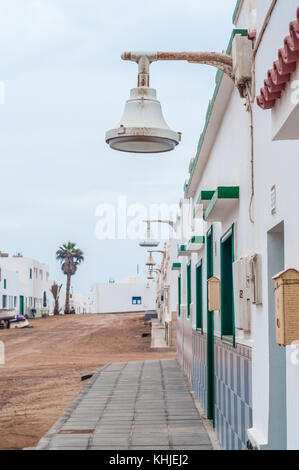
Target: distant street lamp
[[148, 241], [142, 128], [150, 262]]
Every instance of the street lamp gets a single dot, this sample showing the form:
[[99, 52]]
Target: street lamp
[[142, 128], [148, 242]]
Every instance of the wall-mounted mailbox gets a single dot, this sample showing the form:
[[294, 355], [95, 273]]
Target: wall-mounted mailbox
[[214, 293], [287, 306]]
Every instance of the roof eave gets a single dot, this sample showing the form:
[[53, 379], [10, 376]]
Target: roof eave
[[225, 91]]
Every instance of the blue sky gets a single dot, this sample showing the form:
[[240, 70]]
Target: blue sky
[[65, 86]]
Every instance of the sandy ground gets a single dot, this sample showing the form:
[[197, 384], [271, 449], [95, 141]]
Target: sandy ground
[[44, 365]]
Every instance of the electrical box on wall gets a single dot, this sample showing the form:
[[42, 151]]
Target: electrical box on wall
[[214, 294], [241, 273], [247, 274], [287, 307], [242, 59]]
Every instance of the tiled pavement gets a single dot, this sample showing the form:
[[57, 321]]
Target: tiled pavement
[[133, 405]]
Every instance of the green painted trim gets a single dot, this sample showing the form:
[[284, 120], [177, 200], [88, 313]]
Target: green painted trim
[[199, 296], [223, 239], [205, 196], [182, 249], [179, 296], [222, 192], [196, 239], [210, 332], [176, 266], [189, 289], [218, 80], [236, 10]]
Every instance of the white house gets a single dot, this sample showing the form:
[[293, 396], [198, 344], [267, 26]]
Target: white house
[[242, 187], [24, 284], [166, 291], [128, 295]]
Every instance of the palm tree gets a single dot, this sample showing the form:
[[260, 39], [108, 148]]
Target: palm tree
[[70, 257], [55, 290]]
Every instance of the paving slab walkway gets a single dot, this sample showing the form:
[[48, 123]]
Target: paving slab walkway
[[131, 406]]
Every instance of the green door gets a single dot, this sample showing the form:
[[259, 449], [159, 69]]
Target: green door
[[227, 288], [199, 296], [189, 300], [179, 296], [21, 305], [210, 334]]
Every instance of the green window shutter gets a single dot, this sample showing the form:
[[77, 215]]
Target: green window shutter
[[4, 283]]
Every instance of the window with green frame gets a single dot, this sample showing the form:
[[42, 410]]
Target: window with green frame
[[227, 287], [189, 295], [199, 296], [4, 282], [179, 296]]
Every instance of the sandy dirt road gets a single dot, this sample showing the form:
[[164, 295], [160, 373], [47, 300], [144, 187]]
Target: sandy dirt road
[[44, 365]]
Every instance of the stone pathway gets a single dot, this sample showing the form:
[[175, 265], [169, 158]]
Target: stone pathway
[[133, 405]]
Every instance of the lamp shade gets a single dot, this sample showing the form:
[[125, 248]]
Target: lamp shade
[[142, 128], [149, 241]]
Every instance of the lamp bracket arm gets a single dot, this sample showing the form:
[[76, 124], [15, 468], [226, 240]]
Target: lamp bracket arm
[[144, 59]]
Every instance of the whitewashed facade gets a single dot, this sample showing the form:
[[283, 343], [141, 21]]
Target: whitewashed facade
[[24, 285], [246, 383], [128, 295]]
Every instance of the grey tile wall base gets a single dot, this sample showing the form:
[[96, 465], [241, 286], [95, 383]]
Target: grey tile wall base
[[233, 389]]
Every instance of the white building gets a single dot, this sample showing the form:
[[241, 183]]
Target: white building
[[82, 303], [128, 295], [247, 201], [24, 284], [167, 297]]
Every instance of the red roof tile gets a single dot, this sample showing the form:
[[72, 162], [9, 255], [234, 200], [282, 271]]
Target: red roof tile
[[280, 74]]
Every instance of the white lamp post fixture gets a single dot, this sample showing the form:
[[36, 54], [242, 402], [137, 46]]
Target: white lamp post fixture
[[142, 128], [149, 241]]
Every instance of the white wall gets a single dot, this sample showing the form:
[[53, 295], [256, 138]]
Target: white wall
[[117, 297], [17, 272], [275, 163]]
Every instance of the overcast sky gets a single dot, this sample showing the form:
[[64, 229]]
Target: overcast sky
[[65, 86]]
